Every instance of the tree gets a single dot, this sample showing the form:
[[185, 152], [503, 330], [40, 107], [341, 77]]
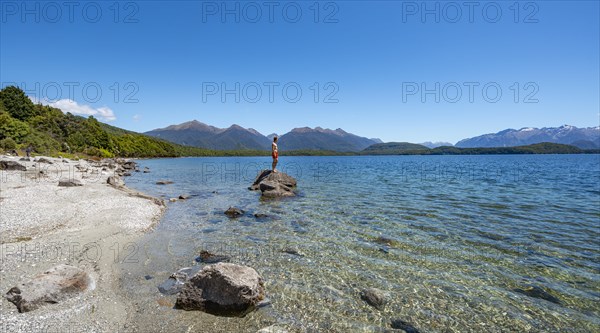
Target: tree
[[16, 103], [12, 128]]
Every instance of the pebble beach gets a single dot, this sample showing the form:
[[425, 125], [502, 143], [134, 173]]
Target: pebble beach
[[93, 226]]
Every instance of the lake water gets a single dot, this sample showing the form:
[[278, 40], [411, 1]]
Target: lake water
[[463, 237]]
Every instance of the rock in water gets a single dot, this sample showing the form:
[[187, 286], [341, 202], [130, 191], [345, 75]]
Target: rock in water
[[374, 297], [211, 258], [234, 212], [403, 325], [274, 184], [537, 292], [176, 280], [11, 165], [222, 289], [57, 284], [273, 329], [273, 189], [66, 182], [129, 165]]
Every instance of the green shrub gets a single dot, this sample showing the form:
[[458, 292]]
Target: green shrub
[[8, 144], [12, 128]]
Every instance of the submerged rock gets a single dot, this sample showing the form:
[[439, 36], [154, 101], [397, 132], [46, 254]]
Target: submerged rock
[[292, 251], [222, 289], [537, 292], [234, 212], [273, 329], [55, 285], [386, 241], [66, 182], [374, 297], [211, 258], [164, 182], [12, 165], [175, 282], [274, 184], [184, 197], [407, 327]]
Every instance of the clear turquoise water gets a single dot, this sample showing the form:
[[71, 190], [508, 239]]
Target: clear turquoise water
[[466, 230]]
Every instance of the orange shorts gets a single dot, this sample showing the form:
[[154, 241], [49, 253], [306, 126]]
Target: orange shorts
[[275, 155]]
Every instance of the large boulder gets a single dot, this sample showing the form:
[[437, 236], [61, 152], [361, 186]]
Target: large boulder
[[57, 284], [12, 165], [273, 189], [222, 289], [115, 181], [274, 184]]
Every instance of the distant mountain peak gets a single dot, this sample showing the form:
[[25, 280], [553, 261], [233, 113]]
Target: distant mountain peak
[[436, 144], [301, 130], [323, 139], [253, 131], [565, 134]]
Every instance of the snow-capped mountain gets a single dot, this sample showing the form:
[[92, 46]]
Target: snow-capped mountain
[[585, 138]]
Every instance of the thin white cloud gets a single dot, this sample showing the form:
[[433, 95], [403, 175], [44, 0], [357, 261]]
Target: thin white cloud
[[136, 117], [69, 105]]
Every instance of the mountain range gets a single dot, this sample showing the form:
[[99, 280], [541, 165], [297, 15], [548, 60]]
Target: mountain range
[[195, 133], [584, 138], [235, 137]]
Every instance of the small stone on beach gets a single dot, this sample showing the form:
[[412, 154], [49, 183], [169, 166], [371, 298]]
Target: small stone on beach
[[66, 182]]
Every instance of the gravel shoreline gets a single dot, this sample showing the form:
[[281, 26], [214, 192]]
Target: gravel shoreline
[[93, 227]]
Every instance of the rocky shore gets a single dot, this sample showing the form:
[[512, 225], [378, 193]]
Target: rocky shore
[[74, 219]]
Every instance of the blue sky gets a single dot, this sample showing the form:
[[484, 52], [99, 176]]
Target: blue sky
[[360, 65]]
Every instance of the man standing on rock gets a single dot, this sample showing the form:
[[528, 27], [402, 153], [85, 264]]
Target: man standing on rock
[[274, 154]]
